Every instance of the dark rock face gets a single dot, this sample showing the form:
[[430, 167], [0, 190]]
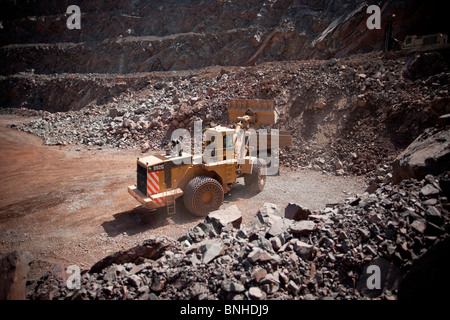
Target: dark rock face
[[130, 36]]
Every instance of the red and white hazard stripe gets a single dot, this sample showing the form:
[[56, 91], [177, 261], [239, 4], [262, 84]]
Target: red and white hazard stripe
[[153, 186]]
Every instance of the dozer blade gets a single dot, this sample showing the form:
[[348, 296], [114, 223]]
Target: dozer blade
[[259, 112]]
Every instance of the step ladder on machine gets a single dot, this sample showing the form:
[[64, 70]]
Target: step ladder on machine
[[171, 202], [229, 168]]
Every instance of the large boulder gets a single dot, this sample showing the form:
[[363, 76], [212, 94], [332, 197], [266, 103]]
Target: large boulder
[[295, 212], [424, 65], [211, 250], [428, 154], [222, 217], [269, 214]]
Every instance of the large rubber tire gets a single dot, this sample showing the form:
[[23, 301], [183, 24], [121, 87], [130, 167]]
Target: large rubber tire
[[256, 181], [203, 195]]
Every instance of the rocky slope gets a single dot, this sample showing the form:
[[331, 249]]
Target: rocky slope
[[345, 115], [286, 254]]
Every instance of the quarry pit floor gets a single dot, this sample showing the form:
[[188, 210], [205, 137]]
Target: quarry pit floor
[[70, 205]]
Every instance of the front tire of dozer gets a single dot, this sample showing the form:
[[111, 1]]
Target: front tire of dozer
[[203, 195], [255, 181]]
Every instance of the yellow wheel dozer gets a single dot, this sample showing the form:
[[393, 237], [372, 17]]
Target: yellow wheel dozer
[[162, 178]]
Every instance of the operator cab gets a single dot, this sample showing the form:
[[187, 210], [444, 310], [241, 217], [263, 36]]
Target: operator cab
[[219, 143]]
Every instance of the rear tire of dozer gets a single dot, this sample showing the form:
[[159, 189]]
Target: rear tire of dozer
[[255, 181], [203, 195]]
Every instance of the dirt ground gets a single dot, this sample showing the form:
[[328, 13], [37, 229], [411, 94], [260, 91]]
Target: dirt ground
[[70, 204]]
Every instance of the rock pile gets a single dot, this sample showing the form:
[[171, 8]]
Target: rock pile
[[290, 253], [145, 121], [348, 115], [354, 106]]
